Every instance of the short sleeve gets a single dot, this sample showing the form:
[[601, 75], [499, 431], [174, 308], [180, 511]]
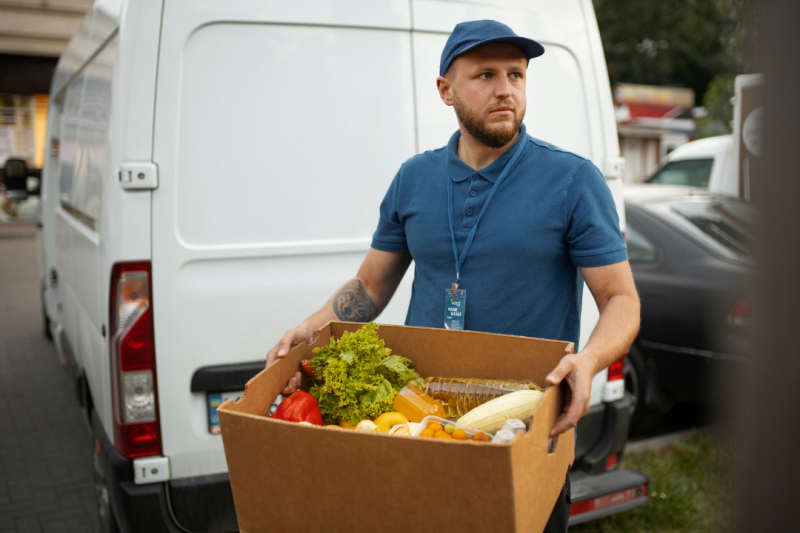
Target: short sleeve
[[593, 234], [390, 236]]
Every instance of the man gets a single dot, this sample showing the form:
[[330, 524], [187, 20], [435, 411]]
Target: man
[[547, 222]]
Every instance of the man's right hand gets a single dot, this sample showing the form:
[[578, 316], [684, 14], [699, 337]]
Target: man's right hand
[[291, 338]]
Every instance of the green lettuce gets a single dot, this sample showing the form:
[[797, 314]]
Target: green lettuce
[[359, 376]]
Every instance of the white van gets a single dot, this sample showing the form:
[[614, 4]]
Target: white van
[[213, 173], [706, 163]]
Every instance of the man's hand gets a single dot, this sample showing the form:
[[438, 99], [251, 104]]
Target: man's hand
[[615, 294], [578, 370], [291, 338]]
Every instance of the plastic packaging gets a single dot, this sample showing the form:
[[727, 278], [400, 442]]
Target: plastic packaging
[[461, 395], [515, 425], [416, 405], [503, 437], [470, 432]]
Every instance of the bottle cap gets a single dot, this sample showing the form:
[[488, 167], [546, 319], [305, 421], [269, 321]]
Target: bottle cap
[[503, 437], [514, 425]]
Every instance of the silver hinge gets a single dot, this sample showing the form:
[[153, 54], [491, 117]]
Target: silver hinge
[[138, 175], [150, 470]]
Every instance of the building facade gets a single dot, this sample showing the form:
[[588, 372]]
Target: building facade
[[33, 33], [651, 122]]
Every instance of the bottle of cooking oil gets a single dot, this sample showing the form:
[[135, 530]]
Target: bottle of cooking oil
[[460, 395], [416, 405]]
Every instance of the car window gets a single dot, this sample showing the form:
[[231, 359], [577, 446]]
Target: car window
[[726, 221], [689, 172], [640, 248]]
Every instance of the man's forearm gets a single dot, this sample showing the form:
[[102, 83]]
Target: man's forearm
[[615, 331], [351, 303]]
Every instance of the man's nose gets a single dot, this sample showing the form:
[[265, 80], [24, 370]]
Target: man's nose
[[503, 87]]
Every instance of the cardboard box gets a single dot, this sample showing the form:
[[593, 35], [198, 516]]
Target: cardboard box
[[291, 478]]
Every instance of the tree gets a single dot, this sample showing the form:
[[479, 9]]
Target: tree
[[665, 42]]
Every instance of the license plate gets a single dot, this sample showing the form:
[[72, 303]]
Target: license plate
[[215, 399]]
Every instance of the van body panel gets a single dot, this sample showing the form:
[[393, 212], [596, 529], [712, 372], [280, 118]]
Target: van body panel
[[47, 215], [136, 84], [230, 277]]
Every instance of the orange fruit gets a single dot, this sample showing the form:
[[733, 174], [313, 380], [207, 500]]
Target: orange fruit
[[437, 433], [442, 435], [459, 434], [434, 426], [426, 433], [345, 424], [481, 436]]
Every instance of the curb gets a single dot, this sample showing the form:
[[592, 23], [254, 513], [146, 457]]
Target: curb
[[660, 442]]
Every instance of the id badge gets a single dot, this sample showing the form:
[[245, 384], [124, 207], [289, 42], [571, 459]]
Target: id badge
[[455, 309]]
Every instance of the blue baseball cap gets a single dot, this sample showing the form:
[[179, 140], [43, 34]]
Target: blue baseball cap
[[468, 35]]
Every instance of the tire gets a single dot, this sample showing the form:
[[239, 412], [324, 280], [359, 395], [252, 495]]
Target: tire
[[636, 384], [105, 514]]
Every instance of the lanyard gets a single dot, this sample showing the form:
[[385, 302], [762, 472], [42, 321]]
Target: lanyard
[[460, 259]]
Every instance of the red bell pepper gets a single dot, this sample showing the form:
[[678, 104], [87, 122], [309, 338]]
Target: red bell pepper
[[306, 365], [299, 407]]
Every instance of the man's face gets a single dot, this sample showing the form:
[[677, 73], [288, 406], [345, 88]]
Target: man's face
[[486, 87]]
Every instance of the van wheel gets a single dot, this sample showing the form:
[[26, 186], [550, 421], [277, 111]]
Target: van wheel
[[105, 514], [46, 323]]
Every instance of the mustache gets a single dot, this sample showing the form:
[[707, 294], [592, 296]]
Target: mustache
[[509, 104]]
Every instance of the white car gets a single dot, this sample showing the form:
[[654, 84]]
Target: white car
[[214, 171]]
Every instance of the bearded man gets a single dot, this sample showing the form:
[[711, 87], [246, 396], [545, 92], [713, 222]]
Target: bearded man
[[547, 223]]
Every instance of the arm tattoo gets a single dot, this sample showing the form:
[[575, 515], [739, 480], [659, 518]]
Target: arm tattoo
[[353, 304]]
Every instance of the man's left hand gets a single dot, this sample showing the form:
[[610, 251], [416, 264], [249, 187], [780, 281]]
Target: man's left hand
[[578, 370]]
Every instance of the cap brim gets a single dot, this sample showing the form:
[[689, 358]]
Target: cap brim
[[530, 47]]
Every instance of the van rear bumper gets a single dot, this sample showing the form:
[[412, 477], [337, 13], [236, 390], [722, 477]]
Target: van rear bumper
[[202, 504]]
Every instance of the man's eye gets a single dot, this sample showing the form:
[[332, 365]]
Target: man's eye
[[485, 76], [516, 75]]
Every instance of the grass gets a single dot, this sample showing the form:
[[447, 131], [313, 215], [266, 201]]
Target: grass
[[689, 486]]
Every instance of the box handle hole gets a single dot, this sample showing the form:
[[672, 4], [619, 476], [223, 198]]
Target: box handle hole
[[552, 442]]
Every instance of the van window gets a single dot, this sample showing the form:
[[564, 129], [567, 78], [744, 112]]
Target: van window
[[640, 248], [298, 146], [689, 172], [84, 136]]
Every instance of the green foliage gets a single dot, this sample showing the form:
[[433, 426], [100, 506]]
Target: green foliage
[[717, 102], [690, 484], [683, 43], [361, 376], [662, 42]]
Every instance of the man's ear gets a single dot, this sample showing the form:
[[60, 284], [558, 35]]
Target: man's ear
[[445, 90]]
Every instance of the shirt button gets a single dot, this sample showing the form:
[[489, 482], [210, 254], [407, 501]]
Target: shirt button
[[469, 212], [473, 192], [475, 177]]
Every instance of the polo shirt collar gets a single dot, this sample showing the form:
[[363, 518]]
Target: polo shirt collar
[[459, 171]]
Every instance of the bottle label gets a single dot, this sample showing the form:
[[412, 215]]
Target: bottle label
[[455, 308]]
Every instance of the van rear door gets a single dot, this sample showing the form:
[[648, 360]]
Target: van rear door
[[278, 130]]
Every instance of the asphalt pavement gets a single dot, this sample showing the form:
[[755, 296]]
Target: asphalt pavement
[[46, 480]]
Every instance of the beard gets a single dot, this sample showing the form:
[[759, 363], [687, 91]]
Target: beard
[[475, 124]]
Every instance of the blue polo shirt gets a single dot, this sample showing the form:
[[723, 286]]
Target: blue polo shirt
[[551, 214]]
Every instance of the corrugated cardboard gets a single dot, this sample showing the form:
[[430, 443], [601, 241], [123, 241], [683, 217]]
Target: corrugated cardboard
[[291, 478]]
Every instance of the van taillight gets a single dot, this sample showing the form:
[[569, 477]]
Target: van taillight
[[133, 369], [617, 369]]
